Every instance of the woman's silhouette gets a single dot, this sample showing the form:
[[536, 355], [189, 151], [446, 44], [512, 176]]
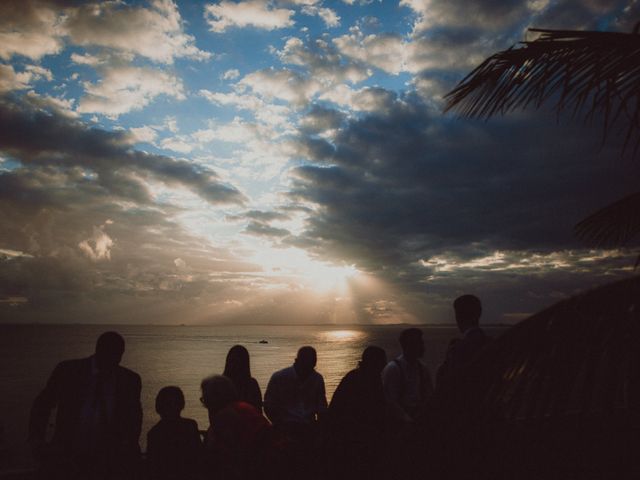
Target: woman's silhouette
[[237, 368]]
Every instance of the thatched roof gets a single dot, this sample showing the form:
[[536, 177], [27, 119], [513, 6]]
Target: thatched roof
[[580, 356]]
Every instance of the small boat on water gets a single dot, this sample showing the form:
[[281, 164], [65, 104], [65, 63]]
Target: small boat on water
[[263, 341]]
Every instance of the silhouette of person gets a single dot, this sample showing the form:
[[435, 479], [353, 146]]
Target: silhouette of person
[[235, 444], [357, 421], [173, 444], [406, 380], [237, 369], [468, 310], [295, 401], [98, 418], [296, 394]]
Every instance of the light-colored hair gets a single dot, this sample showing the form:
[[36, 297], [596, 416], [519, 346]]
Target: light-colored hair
[[217, 392]]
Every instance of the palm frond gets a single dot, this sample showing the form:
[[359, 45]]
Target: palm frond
[[614, 224], [586, 73]]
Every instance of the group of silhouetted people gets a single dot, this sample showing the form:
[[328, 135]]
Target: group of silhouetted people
[[368, 430]]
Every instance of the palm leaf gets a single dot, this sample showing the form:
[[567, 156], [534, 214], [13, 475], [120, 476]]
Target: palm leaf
[[587, 73], [614, 224]]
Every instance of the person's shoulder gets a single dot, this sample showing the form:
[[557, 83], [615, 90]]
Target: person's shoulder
[[188, 422], [253, 382], [73, 366], [392, 365], [155, 430], [283, 373], [128, 374]]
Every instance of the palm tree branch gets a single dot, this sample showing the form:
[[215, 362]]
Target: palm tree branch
[[614, 224], [590, 73]]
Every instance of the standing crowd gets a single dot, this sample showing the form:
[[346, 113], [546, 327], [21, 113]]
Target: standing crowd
[[369, 430]]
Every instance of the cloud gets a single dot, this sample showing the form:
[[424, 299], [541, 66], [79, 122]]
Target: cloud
[[263, 230], [155, 32], [98, 246], [12, 80], [424, 204], [367, 99], [250, 13], [284, 84], [320, 119], [37, 138], [179, 144], [268, 113], [383, 51], [144, 134], [323, 61], [330, 18], [38, 28], [490, 14], [63, 106], [231, 74], [126, 88], [30, 28]]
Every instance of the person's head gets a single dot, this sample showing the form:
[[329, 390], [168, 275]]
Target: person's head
[[237, 365], [169, 402], [109, 351], [305, 361], [468, 310], [218, 391], [373, 360], [412, 343]]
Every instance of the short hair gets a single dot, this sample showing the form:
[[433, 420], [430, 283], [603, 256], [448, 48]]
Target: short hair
[[110, 343], [468, 307], [169, 401], [372, 356], [307, 351], [409, 334], [218, 390]]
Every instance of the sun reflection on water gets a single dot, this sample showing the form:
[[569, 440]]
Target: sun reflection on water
[[341, 335]]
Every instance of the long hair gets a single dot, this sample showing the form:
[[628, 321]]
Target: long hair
[[237, 366]]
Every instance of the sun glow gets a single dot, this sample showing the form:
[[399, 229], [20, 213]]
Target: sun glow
[[295, 265]]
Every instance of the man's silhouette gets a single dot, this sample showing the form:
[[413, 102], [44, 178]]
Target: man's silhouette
[[356, 431], [294, 401], [406, 380], [468, 310], [296, 395], [98, 417]]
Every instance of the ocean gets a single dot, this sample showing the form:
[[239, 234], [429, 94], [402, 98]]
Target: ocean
[[182, 356]]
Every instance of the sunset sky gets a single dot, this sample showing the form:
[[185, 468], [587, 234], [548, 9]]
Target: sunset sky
[[288, 162]]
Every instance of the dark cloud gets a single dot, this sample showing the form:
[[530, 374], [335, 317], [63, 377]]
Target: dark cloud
[[400, 188], [263, 230], [259, 215], [320, 119], [586, 15], [36, 137]]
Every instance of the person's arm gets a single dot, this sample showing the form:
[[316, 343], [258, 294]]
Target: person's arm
[[44, 403], [321, 401]]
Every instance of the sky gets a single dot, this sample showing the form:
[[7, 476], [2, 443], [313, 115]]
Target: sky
[[288, 161]]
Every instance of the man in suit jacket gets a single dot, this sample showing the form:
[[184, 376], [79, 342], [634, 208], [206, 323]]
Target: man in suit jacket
[[98, 418], [468, 310]]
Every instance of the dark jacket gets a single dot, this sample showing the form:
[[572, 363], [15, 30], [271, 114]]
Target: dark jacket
[[66, 389], [460, 354]]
